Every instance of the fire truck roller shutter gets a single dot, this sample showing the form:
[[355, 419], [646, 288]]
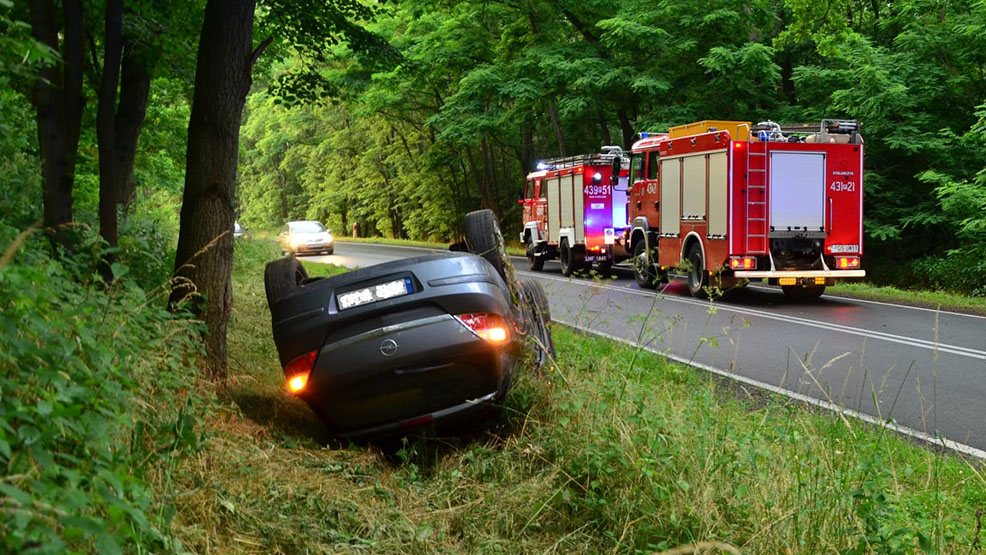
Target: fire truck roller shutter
[[693, 187], [797, 191], [567, 206], [578, 208], [718, 194], [554, 201], [671, 197]]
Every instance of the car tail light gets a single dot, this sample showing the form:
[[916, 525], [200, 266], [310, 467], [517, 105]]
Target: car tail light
[[846, 262], [298, 370], [743, 263], [487, 326]]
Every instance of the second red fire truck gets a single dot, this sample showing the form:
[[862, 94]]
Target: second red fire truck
[[725, 202]]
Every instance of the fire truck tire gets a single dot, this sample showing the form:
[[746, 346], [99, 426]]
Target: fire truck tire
[[697, 278], [814, 291], [281, 277], [536, 263], [570, 259], [483, 238], [643, 272]]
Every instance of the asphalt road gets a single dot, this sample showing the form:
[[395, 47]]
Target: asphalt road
[[924, 369]]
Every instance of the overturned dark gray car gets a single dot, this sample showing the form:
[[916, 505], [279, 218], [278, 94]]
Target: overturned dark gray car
[[407, 343]]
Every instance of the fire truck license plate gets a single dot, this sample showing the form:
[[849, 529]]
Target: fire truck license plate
[[845, 248]]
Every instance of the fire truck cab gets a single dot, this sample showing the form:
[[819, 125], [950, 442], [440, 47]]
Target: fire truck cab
[[727, 202], [575, 211]]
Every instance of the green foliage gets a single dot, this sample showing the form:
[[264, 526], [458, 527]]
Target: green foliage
[[79, 362], [469, 107]]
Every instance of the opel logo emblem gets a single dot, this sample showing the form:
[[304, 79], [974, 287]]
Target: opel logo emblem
[[388, 347]]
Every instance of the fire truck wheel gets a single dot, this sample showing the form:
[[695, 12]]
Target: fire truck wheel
[[483, 237], [696, 274], [281, 277], [535, 262], [642, 270], [814, 291], [565, 257]]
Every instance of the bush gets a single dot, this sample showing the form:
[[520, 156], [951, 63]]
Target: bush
[[78, 362]]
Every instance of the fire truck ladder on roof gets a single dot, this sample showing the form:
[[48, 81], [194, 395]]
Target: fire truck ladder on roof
[[756, 198]]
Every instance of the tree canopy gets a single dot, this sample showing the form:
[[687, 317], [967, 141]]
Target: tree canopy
[[477, 92]]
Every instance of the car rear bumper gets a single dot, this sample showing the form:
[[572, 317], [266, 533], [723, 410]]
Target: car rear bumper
[[398, 375], [799, 273]]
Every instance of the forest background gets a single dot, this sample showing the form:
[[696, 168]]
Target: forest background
[[460, 99]]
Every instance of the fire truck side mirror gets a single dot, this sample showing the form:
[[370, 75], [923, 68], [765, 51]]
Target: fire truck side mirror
[[614, 174]]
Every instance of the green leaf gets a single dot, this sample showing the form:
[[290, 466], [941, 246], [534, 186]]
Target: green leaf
[[119, 270]]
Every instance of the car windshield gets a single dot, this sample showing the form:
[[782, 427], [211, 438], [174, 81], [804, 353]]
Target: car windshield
[[306, 227]]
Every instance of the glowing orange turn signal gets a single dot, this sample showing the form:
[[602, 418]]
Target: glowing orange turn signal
[[489, 327], [297, 383], [298, 370]]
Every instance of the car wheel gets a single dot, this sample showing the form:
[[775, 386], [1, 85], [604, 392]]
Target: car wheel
[[330, 251], [696, 274], [281, 277], [536, 263], [483, 238], [540, 312]]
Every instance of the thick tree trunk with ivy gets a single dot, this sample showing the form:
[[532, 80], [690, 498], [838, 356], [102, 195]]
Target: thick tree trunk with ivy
[[204, 260]]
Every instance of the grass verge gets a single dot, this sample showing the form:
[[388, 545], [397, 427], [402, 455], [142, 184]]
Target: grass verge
[[940, 300], [616, 450]]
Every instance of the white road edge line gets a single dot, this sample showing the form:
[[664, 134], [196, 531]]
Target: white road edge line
[[911, 341], [856, 299], [904, 430]]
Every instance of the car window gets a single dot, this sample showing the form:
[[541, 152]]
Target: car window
[[307, 227]]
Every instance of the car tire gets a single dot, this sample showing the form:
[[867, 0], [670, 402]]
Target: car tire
[[330, 251], [483, 238], [697, 279], [540, 312], [282, 277], [536, 263]]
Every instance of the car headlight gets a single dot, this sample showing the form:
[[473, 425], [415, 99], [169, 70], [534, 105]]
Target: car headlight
[[328, 237], [295, 242]]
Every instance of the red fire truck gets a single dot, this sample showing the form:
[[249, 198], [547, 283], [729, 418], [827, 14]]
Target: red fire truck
[[575, 209], [728, 202]]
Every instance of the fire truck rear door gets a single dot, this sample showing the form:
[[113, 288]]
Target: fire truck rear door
[[797, 191]]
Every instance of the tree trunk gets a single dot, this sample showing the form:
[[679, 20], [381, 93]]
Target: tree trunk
[[135, 86], [105, 112], [58, 103], [556, 125], [204, 260], [625, 127], [604, 128]]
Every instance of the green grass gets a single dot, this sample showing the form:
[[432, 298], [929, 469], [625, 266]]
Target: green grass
[[941, 300], [612, 450]]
